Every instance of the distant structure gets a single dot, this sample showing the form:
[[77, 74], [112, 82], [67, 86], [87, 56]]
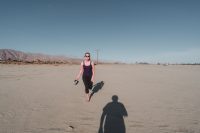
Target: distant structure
[[143, 63], [97, 52]]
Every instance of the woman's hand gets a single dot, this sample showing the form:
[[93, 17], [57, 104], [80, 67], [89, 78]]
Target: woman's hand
[[92, 80], [77, 77]]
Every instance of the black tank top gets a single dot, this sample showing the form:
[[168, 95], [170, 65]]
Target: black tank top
[[87, 69]]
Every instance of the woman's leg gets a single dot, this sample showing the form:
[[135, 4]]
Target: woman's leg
[[87, 86], [90, 84]]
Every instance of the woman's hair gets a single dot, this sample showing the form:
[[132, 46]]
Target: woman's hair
[[87, 53]]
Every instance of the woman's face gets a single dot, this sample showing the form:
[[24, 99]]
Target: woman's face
[[87, 56]]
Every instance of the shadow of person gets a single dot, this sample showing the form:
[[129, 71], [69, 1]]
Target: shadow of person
[[98, 86], [112, 118]]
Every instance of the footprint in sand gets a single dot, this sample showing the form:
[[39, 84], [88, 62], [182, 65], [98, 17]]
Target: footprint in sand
[[69, 127], [57, 129]]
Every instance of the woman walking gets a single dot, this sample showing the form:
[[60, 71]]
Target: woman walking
[[87, 71]]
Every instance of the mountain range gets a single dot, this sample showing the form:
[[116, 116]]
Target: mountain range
[[10, 55]]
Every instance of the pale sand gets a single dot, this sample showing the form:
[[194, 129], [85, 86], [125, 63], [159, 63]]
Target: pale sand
[[43, 98]]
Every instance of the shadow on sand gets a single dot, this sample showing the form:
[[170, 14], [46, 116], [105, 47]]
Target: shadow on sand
[[112, 118], [98, 86]]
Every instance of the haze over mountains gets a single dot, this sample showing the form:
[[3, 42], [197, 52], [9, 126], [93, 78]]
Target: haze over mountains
[[10, 55]]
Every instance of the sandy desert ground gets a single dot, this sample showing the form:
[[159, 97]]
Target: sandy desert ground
[[156, 99]]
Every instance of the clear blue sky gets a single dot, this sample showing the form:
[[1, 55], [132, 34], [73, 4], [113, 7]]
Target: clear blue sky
[[127, 31]]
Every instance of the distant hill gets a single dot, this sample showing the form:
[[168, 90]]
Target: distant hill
[[13, 56]]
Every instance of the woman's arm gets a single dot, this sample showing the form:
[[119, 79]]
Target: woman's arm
[[93, 72], [80, 72]]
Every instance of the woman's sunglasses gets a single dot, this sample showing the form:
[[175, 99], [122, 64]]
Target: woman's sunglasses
[[87, 56]]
